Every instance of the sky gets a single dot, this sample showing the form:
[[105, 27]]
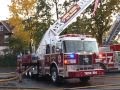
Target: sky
[[4, 10], [5, 14]]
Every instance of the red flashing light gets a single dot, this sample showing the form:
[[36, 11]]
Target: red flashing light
[[66, 62], [101, 55]]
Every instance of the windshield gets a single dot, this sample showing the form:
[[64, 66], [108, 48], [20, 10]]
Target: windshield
[[79, 46]]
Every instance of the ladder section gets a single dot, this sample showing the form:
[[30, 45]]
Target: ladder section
[[70, 16], [114, 30]]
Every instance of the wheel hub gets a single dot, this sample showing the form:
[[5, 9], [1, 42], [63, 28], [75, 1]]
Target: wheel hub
[[54, 76]]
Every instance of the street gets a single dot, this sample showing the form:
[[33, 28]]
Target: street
[[110, 81]]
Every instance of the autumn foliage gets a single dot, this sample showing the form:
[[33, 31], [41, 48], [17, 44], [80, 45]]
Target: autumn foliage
[[20, 11]]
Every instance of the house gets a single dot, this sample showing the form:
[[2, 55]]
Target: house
[[5, 33]]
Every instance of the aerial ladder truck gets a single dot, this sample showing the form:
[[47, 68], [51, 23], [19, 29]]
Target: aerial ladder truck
[[110, 52], [66, 56]]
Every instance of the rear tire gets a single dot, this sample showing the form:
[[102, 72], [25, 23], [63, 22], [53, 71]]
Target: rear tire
[[84, 79]]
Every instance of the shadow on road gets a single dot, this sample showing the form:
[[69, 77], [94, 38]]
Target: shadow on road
[[66, 83]]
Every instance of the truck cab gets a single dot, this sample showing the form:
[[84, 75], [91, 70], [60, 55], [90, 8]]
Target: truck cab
[[72, 56]]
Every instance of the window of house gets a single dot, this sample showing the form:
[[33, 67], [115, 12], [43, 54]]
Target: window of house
[[6, 37], [1, 28]]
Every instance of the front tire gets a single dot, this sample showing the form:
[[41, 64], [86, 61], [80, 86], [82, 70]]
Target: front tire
[[54, 75]]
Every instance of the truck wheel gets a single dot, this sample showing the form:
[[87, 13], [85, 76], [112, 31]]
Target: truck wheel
[[84, 79], [54, 75]]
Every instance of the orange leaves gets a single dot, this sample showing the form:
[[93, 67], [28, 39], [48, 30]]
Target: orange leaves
[[27, 4], [19, 29], [23, 7], [21, 10]]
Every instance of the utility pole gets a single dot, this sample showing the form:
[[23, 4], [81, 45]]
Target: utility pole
[[65, 5], [56, 4]]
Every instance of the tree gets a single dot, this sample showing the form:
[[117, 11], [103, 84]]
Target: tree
[[101, 23], [43, 19], [21, 11], [17, 45]]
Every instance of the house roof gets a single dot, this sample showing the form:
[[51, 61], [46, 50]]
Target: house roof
[[6, 25]]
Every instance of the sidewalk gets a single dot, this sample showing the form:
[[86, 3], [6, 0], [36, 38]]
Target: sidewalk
[[5, 72], [7, 69]]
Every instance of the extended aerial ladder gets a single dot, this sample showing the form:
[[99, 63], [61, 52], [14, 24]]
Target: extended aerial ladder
[[60, 25], [114, 30]]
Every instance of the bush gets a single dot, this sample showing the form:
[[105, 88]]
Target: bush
[[8, 60]]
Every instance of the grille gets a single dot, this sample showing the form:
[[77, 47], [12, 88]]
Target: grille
[[85, 59]]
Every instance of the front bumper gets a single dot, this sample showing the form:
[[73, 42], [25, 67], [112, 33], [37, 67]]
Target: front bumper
[[84, 73]]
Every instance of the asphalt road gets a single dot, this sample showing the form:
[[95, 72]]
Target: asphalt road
[[110, 81]]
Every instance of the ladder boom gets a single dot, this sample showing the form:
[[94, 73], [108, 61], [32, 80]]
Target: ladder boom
[[70, 16], [114, 30]]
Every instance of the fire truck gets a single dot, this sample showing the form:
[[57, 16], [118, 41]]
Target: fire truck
[[66, 56], [109, 56]]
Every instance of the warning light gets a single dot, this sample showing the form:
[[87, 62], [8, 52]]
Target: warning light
[[72, 56]]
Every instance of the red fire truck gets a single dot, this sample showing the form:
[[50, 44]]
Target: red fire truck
[[66, 56], [109, 57]]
